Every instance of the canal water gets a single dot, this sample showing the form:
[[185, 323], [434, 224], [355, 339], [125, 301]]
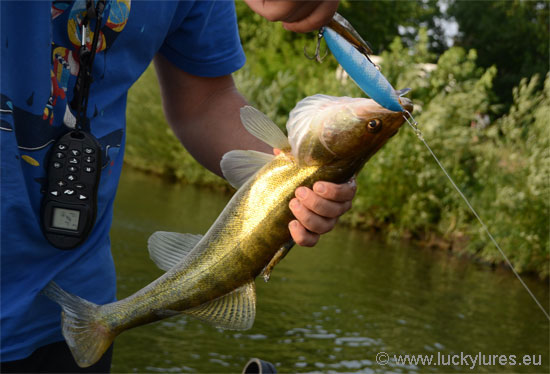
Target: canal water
[[333, 308]]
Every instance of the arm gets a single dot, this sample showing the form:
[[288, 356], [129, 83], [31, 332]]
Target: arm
[[204, 115]]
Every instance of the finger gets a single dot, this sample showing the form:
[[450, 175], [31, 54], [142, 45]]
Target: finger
[[311, 221], [301, 236], [272, 10], [276, 151], [320, 205], [301, 11], [336, 192], [318, 18]]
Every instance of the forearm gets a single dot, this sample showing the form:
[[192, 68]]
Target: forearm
[[204, 114]]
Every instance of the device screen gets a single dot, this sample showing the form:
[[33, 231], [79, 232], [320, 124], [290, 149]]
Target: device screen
[[65, 219]]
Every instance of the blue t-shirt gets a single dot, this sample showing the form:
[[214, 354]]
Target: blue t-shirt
[[39, 63]]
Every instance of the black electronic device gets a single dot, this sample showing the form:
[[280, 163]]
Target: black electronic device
[[70, 206]]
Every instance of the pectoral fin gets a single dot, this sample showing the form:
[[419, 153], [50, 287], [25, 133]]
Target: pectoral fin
[[239, 166], [166, 249], [234, 311], [259, 125]]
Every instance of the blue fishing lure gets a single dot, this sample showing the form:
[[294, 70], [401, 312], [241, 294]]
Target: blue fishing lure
[[362, 71]]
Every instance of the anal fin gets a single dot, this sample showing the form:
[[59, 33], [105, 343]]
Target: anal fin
[[234, 311]]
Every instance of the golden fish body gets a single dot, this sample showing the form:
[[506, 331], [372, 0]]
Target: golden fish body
[[212, 277], [241, 242]]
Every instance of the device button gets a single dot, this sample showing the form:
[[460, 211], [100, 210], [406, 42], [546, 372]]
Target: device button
[[80, 186], [57, 165], [68, 191], [60, 155], [72, 169], [71, 177], [61, 183], [82, 197], [75, 152], [54, 193], [89, 169], [73, 160], [89, 159], [61, 147], [89, 151]]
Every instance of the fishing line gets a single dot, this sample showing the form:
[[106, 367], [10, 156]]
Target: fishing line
[[414, 125]]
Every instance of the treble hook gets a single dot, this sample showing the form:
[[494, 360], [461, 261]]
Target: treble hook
[[317, 55]]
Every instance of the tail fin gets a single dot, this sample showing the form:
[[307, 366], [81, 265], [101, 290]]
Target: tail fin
[[86, 335]]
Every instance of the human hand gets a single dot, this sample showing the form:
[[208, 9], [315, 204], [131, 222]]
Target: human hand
[[296, 15], [318, 210]]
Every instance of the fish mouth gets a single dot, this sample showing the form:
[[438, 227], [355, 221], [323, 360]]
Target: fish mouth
[[371, 112], [365, 107]]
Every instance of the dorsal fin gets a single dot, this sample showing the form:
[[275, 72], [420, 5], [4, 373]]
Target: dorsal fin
[[308, 116], [402, 92], [238, 166], [259, 125], [234, 311], [166, 249]]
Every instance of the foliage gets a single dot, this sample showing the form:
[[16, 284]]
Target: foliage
[[502, 164], [519, 194], [514, 35], [381, 21]]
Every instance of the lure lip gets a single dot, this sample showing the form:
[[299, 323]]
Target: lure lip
[[343, 27]]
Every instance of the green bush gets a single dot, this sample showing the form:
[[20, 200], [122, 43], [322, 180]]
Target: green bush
[[501, 164]]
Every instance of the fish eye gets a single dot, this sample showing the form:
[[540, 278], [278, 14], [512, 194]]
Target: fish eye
[[374, 125]]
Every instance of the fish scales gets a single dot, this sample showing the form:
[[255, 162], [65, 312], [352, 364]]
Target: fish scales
[[212, 277], [251, 211]]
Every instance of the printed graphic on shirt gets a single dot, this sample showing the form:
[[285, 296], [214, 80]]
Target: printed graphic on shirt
[[33, 138], [34, 133], [65, 61]]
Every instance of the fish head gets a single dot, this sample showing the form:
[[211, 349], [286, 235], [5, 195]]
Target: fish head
[[324, 129]]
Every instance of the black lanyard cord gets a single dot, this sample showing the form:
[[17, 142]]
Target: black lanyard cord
[[84, 79]]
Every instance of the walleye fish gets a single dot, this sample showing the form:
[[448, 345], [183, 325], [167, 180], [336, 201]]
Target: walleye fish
[[211, 277]]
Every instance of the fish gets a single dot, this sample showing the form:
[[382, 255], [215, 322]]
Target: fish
[[352, 53], [211, 276]]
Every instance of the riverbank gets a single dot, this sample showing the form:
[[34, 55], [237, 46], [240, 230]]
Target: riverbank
[[401, 192], [330, 308]]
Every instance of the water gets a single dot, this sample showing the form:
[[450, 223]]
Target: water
[[331, 308], [414, 126]]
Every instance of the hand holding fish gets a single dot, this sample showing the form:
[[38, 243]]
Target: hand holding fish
[[207, 112], [297, 16], [317, 210], [211, 276]]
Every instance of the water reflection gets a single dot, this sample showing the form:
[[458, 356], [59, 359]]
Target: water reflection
[[327, 309]]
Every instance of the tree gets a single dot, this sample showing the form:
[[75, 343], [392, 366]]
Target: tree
[[513, 35], [380, 22]]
